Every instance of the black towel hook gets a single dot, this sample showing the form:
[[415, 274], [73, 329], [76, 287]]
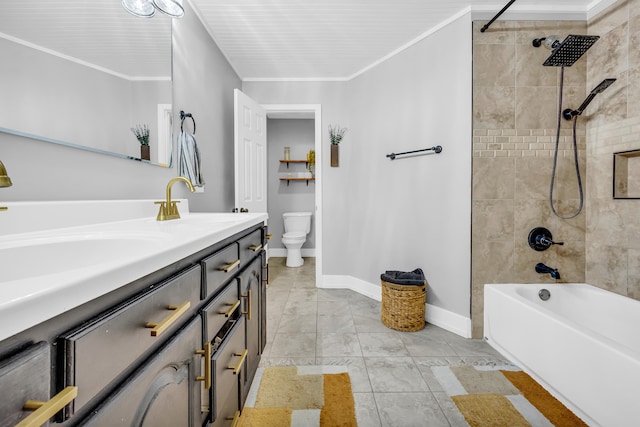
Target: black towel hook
[[183, 116]]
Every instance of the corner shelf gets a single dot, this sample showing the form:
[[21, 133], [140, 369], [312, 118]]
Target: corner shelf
[[297, 179]]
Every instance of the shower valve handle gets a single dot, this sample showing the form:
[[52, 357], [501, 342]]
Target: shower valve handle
[[540, 239], [546, 241]]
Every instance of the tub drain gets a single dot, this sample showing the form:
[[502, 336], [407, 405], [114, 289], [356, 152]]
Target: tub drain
[[544, 294]]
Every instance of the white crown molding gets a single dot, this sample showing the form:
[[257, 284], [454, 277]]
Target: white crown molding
[[482, 12]]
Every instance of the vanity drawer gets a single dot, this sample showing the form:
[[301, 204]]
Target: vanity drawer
[[228, 365], [98, 353], [23, 376], [164, 391], [250, 245], [230, 410], [218, 269], [223, 307]]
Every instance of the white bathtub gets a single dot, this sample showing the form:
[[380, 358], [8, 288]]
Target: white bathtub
[[582, 345]]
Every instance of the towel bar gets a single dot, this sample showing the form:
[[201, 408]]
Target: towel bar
[[437, 149]]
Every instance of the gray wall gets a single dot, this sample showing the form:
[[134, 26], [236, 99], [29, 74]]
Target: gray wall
[[380, 214], [203, 86], [299, 135]]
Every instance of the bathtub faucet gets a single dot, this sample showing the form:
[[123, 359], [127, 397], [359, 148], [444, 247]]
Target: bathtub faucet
[[543, 269]]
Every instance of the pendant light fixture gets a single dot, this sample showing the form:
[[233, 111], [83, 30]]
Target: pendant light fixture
[[141, 8], [147, 8], [173, 8]]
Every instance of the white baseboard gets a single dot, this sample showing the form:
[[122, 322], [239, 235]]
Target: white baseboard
[[349, 282], [437, 316]]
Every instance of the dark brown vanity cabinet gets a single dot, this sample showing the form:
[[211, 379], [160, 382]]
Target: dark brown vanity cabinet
[[164, 391], [24, 376], [100, 351], [178, 347], [250, 283], [219, 268], [229, 369], [251, 245]]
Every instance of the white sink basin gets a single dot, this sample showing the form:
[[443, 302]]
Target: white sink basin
[[210, 220], [40, 256]]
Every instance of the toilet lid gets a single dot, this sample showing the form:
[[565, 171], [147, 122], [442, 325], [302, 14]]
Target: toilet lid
[[294, 235]]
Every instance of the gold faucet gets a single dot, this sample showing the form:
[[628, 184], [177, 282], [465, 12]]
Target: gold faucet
[[169, 208], [5, 181]]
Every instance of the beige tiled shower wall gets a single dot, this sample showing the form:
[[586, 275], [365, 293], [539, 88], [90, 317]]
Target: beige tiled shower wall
[[515, 114], [613, 226], [516, 97]]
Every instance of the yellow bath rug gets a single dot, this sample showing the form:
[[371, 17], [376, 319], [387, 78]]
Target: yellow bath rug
[[490, 397], [303, 396], [489, 410], [551, 407]]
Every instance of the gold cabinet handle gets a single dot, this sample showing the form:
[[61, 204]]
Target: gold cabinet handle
[[206, 353], [177, 311], [43, 411], [234, 307], [255, 248], [243, 356], [230, 266], [235, 418], [268, 236], [248, 297]]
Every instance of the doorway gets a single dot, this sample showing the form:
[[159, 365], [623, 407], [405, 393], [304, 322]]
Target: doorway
[[304, 112]]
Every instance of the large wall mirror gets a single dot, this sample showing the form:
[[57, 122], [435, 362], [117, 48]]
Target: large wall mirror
[[84, 73]]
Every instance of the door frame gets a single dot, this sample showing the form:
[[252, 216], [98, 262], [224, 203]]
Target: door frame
[[315, 111]]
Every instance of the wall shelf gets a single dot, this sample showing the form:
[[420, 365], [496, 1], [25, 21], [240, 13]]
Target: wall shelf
[[297, 179], [292, 161]]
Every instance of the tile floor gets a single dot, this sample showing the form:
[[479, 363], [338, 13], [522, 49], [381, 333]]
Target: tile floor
[[390, 371]]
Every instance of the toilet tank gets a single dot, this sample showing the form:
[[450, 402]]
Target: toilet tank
[[297, 221]]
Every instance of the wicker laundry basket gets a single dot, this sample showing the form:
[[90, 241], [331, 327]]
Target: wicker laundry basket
[[403, 306]]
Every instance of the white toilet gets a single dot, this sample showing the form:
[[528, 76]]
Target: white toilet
[[296, 227]]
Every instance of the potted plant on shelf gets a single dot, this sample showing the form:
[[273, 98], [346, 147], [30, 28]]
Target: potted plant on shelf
[[336, 133], [311, 163], [142, 135]]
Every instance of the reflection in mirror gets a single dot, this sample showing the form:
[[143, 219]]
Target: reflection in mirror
[[84, 73], [626, 175]]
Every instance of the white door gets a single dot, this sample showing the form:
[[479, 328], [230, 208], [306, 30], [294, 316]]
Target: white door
[[250, 139]]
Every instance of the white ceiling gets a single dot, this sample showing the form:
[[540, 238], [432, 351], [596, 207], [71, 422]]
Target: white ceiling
[[262, 39], [337, 39]]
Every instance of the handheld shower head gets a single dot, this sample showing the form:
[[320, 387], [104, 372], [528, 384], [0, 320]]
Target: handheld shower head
[[602, 86], [568, 114]]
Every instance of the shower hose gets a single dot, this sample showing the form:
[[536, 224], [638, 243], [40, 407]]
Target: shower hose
[[575, 157]]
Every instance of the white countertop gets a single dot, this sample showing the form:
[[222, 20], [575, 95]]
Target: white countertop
[[47, 272]]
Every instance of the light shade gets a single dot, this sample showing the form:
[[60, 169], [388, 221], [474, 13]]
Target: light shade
[[143, 8], [173, 8]]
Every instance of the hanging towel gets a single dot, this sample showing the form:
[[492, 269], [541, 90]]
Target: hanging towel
[[414, 278], [189, 159]]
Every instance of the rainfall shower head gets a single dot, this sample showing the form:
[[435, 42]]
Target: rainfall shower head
[[568, 114], [566, 53]]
